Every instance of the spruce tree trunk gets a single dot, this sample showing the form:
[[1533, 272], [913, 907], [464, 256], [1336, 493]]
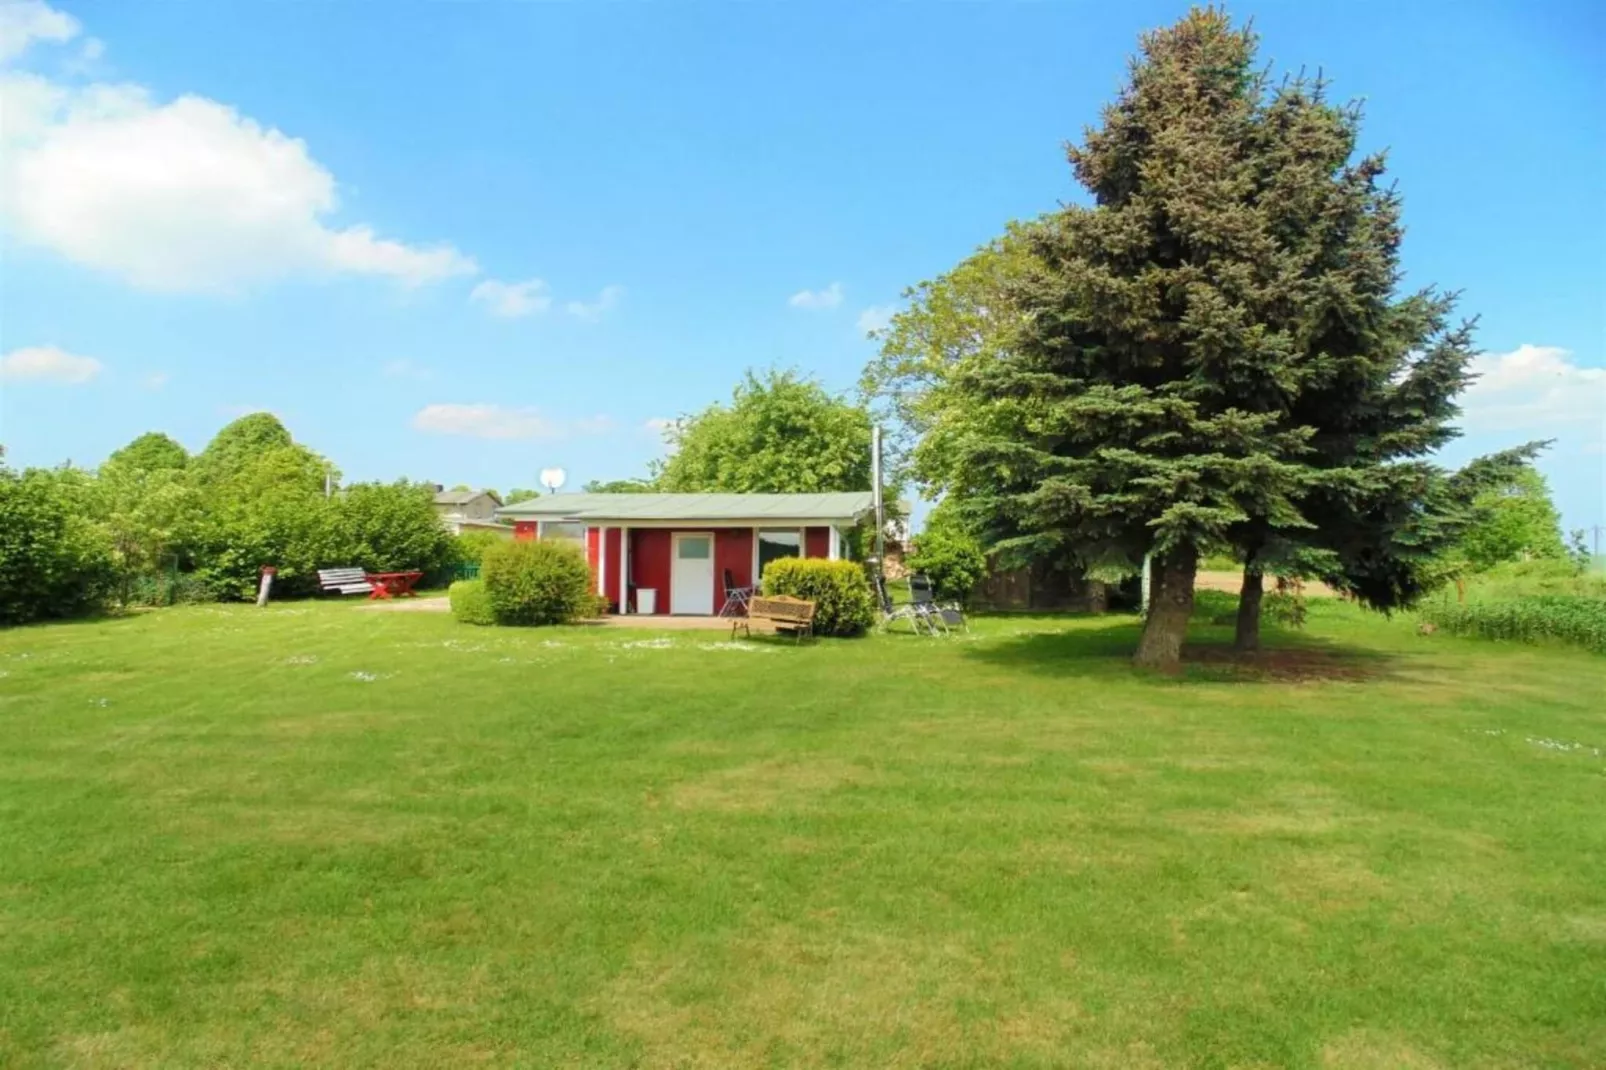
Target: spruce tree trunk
[[1170, 605], [1249, 596]]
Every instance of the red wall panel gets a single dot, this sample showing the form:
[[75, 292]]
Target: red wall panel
[[733, 550], [649, 562], [615, 561], [816, 542], [592, 543], [524, 529]]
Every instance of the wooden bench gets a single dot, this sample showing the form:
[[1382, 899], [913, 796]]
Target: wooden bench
[[782, 613], [344, 580]]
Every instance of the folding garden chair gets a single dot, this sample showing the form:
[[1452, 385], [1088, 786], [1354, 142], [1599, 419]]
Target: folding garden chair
[[736, 598], [939, 616], [892, 612]]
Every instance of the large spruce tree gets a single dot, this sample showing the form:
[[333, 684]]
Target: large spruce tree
[[1213, 352]]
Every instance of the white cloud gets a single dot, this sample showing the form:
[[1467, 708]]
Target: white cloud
[[503, 422], [512, 300], [830, 297], [594, 310], [156, 380], [876, 318], [47, 364], [183, 195], [407, 369], [22, 22], [593, 425], [658, 424], [93, 48], [1533, 388], [484, 421]]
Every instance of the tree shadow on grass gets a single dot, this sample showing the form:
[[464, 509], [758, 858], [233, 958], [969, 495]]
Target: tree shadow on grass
[[1106, 650]]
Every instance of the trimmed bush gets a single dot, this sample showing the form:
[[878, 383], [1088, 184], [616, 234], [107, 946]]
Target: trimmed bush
[[843, 604], [530, 582], [471, 604]]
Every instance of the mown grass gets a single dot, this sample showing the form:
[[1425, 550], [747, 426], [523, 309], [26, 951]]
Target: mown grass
[[314, 835]]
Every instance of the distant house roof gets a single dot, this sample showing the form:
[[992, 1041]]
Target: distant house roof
[[463, 497], [626, 508]]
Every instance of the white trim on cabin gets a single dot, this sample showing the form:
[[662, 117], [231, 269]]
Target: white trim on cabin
[[602, 562], [778, 523], [624, 570]]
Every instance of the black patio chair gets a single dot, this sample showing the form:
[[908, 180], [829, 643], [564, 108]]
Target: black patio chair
[[736, 598]]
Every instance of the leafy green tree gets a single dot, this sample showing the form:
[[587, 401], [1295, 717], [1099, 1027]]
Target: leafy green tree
[[781, 433], [391, 527], [151, 452], [239, 444], [54, 560], [949, 553], [521, 494], [619, 486], [1514, 521], [963, 318], [265, 506], [1196, 359]]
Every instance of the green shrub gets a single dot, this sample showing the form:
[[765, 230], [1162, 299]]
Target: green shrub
[[1574, 619], [952, 560], [469, 547], [390, 527], [537, 582], [162, 589], [843, 604], [54, 560], [471, 603]]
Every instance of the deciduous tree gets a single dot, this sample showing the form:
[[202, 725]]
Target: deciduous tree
[[781, 433]]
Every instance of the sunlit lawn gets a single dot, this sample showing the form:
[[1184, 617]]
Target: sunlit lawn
[[315, 835]]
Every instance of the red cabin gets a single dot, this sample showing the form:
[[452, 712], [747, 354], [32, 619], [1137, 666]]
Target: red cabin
[[680, 553]]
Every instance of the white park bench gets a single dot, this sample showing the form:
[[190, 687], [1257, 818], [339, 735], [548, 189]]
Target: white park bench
[[344, 580]]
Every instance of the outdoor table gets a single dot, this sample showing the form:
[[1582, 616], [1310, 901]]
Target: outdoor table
[[393, 584]]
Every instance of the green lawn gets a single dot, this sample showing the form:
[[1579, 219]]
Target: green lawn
[[313, 835]]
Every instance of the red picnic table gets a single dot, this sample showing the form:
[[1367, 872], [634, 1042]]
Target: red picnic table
[[393, 584]]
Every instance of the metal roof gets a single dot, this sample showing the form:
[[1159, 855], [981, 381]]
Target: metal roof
[[462, 497], [660, 507]]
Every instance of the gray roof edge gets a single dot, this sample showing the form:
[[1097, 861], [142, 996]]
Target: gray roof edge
[[838, 505]]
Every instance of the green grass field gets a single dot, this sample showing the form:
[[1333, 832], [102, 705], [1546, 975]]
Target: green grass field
[[316, 836]]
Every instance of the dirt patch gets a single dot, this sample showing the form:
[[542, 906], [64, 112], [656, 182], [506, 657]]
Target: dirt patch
[[1296, 811], [1232, 582], [432, 604], [1292, 665], [768, 785], [814, 998], [1368, 1050]]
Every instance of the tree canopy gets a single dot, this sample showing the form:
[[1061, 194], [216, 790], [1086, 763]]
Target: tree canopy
[[1213, 353], [780, 433], [151, 452]]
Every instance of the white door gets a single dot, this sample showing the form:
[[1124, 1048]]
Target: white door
[[691, 579]]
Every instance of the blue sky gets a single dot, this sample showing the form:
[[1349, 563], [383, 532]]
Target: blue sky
[[464, 241]]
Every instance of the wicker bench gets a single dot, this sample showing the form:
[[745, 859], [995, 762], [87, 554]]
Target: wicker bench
[[781, 613]]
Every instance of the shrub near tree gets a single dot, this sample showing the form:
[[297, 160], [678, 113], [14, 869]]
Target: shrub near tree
[[948, 554], [840, 592], [533, 583], [54, 561]]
